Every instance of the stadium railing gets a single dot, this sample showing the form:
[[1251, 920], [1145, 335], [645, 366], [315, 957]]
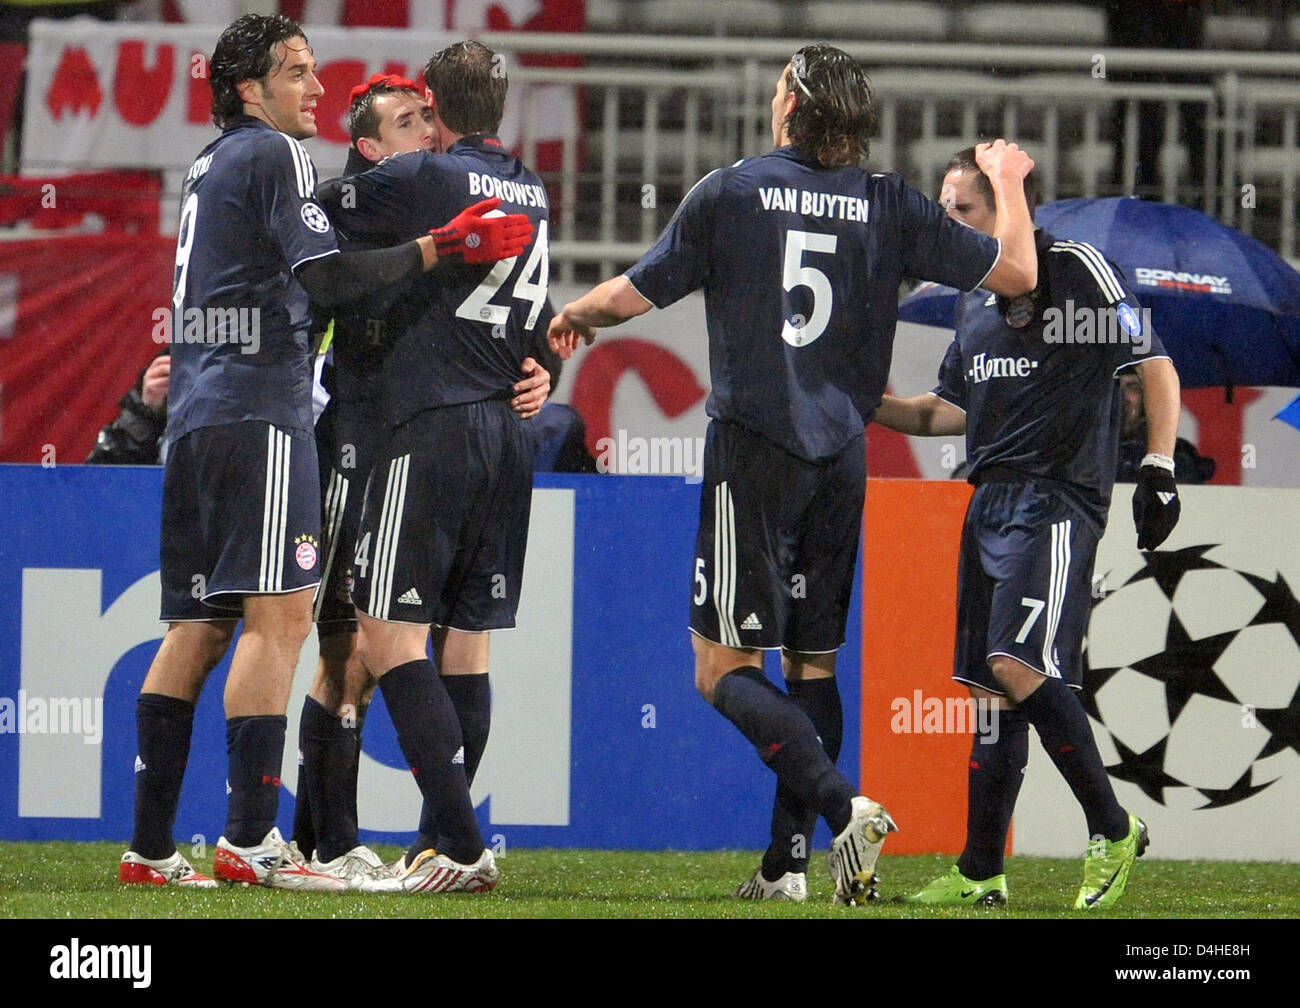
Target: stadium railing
[[660, 112]]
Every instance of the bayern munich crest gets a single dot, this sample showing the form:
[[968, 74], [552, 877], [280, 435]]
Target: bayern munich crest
[[305, 553]]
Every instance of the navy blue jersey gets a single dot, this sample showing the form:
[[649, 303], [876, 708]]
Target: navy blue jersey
[[240, 319], [800, 267], [460, 333], [1042, 400]]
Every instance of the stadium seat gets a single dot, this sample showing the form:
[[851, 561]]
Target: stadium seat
[[736, 17], [606, 16], [1236, 31], [1033, 23], [945, 107], [712, 151], [920, 22]]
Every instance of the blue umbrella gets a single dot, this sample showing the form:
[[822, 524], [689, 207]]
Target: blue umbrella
[[1226, 306]]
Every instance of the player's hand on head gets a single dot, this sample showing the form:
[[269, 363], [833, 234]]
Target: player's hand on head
[[1156, 507], [531, 393], [481, 234], [1003, 159]]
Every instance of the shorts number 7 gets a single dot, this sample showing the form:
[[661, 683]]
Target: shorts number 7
[[1035, 607]]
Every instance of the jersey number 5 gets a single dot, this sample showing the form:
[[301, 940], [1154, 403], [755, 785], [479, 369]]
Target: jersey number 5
[[798, 331], [530, 287]]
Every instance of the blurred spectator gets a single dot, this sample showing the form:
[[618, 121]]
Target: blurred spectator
[[16, 15], [132, 438], [1189, 465], [559, 436], [1159, 24]]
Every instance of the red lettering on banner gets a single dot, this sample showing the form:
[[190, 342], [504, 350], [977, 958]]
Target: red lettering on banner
[[75, 86], [338, 79], [1219, 428], [198, 98], [890, 455], [141, 93], [669, 379]]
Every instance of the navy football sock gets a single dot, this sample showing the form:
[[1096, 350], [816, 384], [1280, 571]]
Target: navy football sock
[[328, 780], [471, 695], [1063, 729], [792, 822], [429, 735], [304, 830], [786, 741], [998, 755], [163, 727], [472, 698], [255, 747]]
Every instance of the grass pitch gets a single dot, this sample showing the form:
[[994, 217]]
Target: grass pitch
[[79, 881]]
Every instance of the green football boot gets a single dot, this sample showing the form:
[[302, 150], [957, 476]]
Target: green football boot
[[1106, 866], [955, 889]]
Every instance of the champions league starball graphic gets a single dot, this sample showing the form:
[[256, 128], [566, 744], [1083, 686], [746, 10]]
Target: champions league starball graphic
[[1228, 674]]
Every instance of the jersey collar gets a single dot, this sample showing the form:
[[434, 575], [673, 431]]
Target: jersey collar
[[243, 121], [795, 154], [478, 141]]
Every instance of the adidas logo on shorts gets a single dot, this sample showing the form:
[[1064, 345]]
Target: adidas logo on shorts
[[752, 622], [409, 597]]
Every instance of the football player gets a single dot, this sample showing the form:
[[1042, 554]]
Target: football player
[[800, 253], [388, 115], [444, 525], [1041, 417], [241, 510]]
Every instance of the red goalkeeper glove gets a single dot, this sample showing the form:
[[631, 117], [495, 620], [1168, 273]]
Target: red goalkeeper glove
[[473, 237]]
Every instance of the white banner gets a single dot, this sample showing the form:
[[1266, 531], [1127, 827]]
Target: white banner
[[104, 96], [1194, 653], [648, 379]]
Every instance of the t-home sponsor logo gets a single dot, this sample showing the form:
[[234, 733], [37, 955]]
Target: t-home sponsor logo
[[984, 368], [656, 456], [53, 716], [923, 715], [1113, 324], [75, 961], [212, 325]]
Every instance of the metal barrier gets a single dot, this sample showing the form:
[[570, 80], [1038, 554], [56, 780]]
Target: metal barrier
[[661, 112]]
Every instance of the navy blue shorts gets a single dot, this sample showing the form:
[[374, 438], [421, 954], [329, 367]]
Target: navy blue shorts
[[240, 516], [348, 437], [445, 522], [1024, 583], [777, 544]]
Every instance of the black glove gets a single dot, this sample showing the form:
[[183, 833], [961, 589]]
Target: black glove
[[1155, 505]]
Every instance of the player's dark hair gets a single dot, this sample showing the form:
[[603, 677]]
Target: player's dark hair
[[468, 81], [362, 117], [245, 51], [964, 161], [833, 114]]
